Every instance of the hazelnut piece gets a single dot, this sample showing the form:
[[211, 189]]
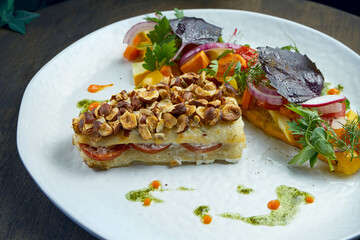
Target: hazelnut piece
[[151, 121], [228, 90], [160, 125], [116, 125], [169, 120], [104, 109], [105, 129], [165, 105], [159, 136], [144, 131], [128, 120], [190, 110], [188, 96], [200, 111], [199, 102], [178, 109], [163, 93], [75, 124], [183, 123], [210, 86], [148, 96], [115, 112], [135, 102], [215, 104], [231, 112], [125, 105], [195, 121], [88, 117], [212, 115]]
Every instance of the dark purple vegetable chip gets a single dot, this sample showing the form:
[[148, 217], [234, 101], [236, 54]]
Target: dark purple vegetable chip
[[294, 75], [195, 30]]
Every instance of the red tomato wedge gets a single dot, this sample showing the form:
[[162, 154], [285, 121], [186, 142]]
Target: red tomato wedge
[[247, 53], [150, 148], [102, 153], [201, 148]]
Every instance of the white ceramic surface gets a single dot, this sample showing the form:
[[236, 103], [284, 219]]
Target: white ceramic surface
[[96, 199]]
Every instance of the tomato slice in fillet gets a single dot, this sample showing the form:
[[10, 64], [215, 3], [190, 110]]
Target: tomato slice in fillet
[[103, 153], [201, 148], [150, 148]]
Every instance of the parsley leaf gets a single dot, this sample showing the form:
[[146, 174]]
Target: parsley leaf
[[15, 19], [161, 32], [159, 56], [163, 47]]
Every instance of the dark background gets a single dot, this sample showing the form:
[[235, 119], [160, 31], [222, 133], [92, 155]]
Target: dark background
[[349, 6]]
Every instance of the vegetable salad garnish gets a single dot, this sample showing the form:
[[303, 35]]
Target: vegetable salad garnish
[[280, 82]]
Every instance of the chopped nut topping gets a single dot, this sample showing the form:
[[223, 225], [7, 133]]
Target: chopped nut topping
[[144, 131], [152, 121], [104, 109], [231, 112], [199, 102], [228, 90], [128, 120], [88, 117], [169, 120], [115, 112], [190, 100], [164, 93], [148, 96], [212, 115], [200, 111], [160, 136], [195, 121], [160, 125], [210, 86], [116, 126], [215, 103], [178, 109], [190, 110], [105, 130], [183, 123], [187, 96]]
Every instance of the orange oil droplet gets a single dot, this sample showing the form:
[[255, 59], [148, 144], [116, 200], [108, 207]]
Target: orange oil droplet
[[93, 88]]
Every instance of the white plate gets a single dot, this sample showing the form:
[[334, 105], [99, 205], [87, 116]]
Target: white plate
[[96, 199]]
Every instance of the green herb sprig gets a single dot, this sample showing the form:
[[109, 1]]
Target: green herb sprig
[[14, 19], [317, 137], [350, 139]]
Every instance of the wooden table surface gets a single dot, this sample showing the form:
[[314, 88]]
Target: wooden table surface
[[25, 212]]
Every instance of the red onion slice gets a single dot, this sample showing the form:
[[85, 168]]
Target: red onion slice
[[206, 47], [265, 89], [265, 97], [136, 29], [323, 100]]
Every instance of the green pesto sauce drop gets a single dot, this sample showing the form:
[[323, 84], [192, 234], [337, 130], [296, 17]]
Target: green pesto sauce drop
[[243, 190], [141, 194], [290, 201], [201, 211], [185, 189]]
